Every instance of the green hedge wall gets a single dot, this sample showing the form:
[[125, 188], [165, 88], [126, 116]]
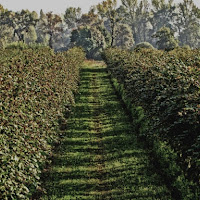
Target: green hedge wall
[[166, 86], [36, 91]]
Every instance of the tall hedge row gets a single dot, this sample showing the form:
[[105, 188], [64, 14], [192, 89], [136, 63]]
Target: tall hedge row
[[36, 91], [167, 86]]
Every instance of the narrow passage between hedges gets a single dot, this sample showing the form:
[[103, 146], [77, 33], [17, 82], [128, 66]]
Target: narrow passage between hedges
[[99, 157]]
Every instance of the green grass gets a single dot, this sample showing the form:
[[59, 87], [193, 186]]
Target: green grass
[[100, 157]]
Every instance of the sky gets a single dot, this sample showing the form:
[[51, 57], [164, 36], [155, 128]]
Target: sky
[[57, 6]]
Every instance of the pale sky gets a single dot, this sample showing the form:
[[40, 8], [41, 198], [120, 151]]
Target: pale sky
[[57, 6]]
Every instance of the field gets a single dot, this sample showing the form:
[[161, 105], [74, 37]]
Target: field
[[130, 132]]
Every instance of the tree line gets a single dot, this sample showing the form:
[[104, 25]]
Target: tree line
[[160, 24]]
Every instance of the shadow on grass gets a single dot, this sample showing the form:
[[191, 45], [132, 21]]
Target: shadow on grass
[[99, 157]]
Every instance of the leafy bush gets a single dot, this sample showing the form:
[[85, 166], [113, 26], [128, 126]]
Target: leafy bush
[[21, 45], [90, 39], [166, 85], [36, 90], [145, 45], [17, 45], [166, 40]]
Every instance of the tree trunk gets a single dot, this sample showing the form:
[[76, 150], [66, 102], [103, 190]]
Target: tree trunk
[[20, 34], [112, 34], [51, 41]]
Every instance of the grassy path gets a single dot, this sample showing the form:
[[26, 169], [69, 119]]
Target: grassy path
[[99, 157]]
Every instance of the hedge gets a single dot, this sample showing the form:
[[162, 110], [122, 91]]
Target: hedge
[[163, 88], [36, 92]]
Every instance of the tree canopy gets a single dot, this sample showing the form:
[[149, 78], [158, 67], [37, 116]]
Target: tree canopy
[[161, 23]]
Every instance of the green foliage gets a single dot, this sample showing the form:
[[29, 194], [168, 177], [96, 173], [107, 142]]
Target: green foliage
[[17, 45], [72, 15], [50, 24], [163, 157], [145, 45], [188, 23], [22, 46], [90, 39], [106, 35], [101, 151], [166, 86], [107, 10], [166, 39], [31, 35], [19, 22], [6, 35], [124, 36], [36, 89]]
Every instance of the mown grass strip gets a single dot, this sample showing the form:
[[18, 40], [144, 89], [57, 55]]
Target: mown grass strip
[[100, 157]]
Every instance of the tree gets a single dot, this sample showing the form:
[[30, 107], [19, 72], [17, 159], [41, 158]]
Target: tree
[[19, 21], [72, 16], [143, 24], [164, 14], [42, 36], [130, 8], [139, 18], [106, 34], [50, 24], [188, 23], [166, 40], [2, 10], [30, 35], [90, 18], [61, 40], [90, 39], [107, 10], [124, 36], [22, 21], [6, 35]]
